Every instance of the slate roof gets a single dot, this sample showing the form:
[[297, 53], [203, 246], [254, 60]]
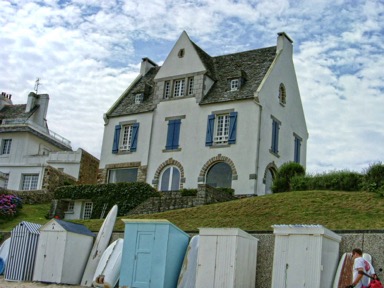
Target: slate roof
[[15, 112], [251, 65], [75, 228]]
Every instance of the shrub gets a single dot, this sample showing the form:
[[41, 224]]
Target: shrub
[[9, 206], [188, 192], [336, 181], [374, 178], [282, 181], [227, 190], [126, 195]]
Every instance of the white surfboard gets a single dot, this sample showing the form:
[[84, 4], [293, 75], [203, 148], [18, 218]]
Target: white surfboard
[[187, 277], [101, 243], [4, 251], [368, 258], [108, 271]]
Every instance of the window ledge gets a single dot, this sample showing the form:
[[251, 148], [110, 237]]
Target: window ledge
[[171, 150], [226, 145], [69, 212], [274, 153], [124, 152], [282, 104]]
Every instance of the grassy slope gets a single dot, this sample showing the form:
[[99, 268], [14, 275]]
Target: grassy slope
[[334, 210]]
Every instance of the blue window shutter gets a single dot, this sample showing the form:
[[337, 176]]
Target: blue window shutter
[[116, 139], [275, 136], [209, 135], [173, 134], [297, 150], [176, 133], [169, 143], [135, 132], [232, 127]]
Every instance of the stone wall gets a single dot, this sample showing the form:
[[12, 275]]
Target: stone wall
[[89, 167], [174, 200]]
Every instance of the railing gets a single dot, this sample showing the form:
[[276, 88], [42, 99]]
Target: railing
[[46, 132]]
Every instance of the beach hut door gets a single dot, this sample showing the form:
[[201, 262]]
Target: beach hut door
[[143, 258], [50, 262]]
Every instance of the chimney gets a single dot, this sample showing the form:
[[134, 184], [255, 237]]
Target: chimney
[[284, 42], [146, 64], [5, 99], [41, 101]]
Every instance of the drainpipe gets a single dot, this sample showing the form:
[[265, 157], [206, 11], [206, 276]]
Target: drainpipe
[[258, 145]]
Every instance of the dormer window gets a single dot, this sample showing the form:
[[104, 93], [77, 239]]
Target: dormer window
[[139, 98], [235, 84], [181, 53]]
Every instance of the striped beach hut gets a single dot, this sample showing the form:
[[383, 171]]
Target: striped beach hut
[[22, 252]]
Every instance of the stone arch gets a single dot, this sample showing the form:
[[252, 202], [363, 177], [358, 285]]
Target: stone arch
[[162, 166], [214, 160], [282, 94], [269, 176]]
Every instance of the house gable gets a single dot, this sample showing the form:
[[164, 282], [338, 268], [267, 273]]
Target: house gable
[[182, 60]]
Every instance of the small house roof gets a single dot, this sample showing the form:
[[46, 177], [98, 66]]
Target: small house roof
[[75, 228]]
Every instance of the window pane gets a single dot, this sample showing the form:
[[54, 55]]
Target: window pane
[[126, 137], [30, 182], [88, 206], [122, 175], [175, 185], [222, 129], [165, 180], [220, 175]]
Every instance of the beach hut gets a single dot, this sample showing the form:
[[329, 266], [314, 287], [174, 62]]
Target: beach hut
[[304, 256], [62, 252], [226, 258], [22, 252], [153, 253]]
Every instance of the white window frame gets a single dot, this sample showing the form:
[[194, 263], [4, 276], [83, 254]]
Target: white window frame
[[71, 206], [6, 146], [29, 182], [139, 98], [87, 211], [190, 85], [235, 84], [221, 129], [167, 89], [126, 137], [178, 88]]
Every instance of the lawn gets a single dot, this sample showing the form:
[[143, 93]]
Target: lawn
[[334, 210]]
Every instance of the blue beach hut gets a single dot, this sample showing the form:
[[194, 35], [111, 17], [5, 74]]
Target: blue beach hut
[[153, 253], [22, 252]]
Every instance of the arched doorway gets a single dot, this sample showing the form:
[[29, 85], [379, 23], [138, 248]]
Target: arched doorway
[[269, 177], [219, 175]]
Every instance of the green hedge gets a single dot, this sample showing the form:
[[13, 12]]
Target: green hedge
[[334, 181], [284, 175], [126, 195]]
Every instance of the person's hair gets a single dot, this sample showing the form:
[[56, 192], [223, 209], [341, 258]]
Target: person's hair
[[357, 251]]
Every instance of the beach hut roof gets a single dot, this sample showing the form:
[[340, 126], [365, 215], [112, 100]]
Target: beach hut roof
[[75, 228], [30, 227]]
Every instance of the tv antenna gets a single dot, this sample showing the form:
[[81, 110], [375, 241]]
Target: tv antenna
[[37, 83]]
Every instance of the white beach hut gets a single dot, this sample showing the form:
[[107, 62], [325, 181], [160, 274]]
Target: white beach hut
[[62, 252], [226, 258], [304, 256], [22, 252]]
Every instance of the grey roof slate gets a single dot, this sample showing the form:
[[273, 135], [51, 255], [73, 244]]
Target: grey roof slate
[[75, 228], [251, 65], [15, 112]]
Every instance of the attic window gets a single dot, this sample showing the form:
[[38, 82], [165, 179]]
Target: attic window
[[282, 94], [235, 84], [139, 98], [181, 53]]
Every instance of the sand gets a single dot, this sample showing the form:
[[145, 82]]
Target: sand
[[8, 284]]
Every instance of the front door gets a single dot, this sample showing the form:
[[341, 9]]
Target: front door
[[143, 259]]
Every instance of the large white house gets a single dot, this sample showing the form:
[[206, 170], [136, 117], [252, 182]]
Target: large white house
[[28, 147], [225, 121]]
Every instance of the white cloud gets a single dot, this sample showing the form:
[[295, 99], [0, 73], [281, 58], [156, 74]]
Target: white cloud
[[86, 53]]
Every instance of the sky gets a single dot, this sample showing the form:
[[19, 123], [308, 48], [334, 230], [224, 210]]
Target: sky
[[87, 52]]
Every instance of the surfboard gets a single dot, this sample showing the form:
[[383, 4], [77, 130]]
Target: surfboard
[[368, 258], [4, 251], [101, 243], [108, 271], [343, 276], [187, 277]]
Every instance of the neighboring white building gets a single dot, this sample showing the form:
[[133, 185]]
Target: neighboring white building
[[28, 146], [225, 121]]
